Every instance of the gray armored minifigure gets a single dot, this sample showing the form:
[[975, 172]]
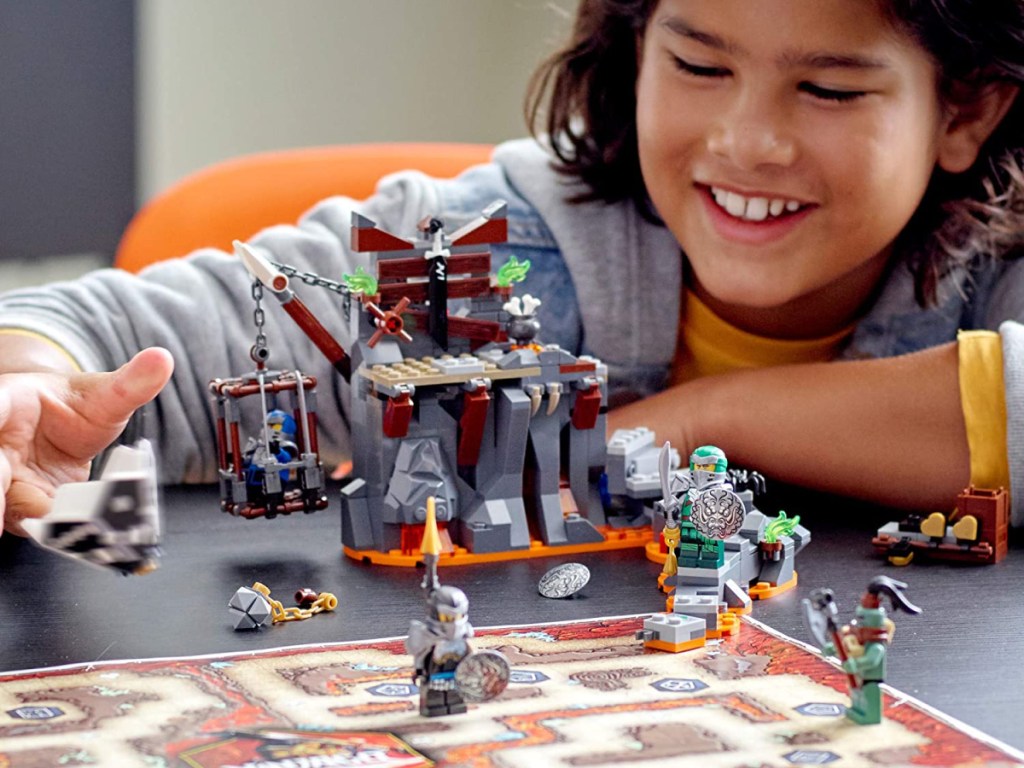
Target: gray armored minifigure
[[447, 670]]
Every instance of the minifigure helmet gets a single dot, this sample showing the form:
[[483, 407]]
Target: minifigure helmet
[[281, 422], [449, 604], [707, 464]]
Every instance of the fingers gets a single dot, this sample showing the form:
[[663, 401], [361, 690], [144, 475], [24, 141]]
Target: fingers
[[115, 396], [25, 500]]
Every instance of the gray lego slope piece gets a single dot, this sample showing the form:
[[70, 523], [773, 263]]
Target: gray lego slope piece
[[356, 524]]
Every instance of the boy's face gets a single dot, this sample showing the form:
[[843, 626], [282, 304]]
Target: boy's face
[[785, 143]]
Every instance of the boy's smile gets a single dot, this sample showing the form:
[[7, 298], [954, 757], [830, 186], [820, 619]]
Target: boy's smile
[[785, 143]]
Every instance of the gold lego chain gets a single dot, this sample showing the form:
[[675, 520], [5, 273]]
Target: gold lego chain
[[325, 601]]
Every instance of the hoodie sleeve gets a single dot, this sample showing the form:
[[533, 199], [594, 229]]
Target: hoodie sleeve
[[201, 309]]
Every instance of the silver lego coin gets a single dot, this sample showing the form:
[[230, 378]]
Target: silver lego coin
[[564, 580], [482, 676], [717, 513]]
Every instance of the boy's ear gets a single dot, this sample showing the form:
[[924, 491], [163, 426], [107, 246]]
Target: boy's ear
[[975, 111]]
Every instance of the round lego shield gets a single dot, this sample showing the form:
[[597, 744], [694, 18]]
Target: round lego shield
[[564, 580], [717, 513], [482, 676]]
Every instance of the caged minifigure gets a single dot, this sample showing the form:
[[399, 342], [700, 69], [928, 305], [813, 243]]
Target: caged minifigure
[[861, 645], [447, 670]]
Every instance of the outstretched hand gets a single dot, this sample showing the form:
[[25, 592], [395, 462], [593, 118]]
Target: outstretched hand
[[52, 425]]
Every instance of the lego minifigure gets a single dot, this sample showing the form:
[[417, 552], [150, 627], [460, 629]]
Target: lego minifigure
[[861, 645], [447, 671], [703, 509]]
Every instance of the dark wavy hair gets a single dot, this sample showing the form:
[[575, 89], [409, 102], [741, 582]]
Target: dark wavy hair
[[581, 102]]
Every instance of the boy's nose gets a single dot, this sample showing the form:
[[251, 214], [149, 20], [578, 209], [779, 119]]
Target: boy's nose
[[750, 139]]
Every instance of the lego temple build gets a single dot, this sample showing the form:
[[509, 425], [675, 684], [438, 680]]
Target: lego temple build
[[453, 397]]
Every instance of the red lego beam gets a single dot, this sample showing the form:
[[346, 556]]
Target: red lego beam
[[460, 264], [586, 407], [471, 425]]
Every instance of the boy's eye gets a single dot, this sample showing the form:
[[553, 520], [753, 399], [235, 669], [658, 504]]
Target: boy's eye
[[699, 71], [830, 94]]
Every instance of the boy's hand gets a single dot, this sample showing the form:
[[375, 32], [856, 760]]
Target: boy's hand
[[53, 424]]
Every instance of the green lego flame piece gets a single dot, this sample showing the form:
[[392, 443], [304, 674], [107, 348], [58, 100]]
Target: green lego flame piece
[[361, 282], [513, 271], [780, 526]]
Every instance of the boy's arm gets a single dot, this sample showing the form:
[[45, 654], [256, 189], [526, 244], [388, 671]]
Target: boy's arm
[[889, 431], [22, 352]]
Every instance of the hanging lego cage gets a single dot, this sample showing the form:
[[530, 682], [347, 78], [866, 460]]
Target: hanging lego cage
[[279, 471]]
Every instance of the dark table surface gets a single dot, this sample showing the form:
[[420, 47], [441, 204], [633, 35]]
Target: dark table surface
[[962, 655]]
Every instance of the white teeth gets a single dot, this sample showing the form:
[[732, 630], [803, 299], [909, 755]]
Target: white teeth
[[735, 204], [752, 208], [757, 208]]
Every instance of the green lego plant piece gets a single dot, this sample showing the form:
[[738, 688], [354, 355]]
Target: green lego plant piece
[[361, 282], [512, 271], [780, 526]]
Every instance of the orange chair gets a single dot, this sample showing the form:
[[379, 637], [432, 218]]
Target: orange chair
[[234, 199]]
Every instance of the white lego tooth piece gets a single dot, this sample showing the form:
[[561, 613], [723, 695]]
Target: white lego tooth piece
[[775, 207]]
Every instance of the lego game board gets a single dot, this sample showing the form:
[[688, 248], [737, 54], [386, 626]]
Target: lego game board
[[582, 694]]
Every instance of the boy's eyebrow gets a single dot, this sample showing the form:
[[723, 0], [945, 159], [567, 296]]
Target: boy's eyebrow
[[788, 60], [825, 60], [678, 26]]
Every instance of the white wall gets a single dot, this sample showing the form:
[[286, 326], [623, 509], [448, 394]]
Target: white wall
[[219, 78]]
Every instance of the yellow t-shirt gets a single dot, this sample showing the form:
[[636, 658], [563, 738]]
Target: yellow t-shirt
[[983, 399], [709, 345]]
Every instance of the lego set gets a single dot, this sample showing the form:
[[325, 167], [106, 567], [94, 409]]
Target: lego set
[[720, 552], [977, 531], [861, 645], [451, 396]]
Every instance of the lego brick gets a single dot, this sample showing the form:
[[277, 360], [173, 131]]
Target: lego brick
[[422, 373], [458, 264], [675, 628]]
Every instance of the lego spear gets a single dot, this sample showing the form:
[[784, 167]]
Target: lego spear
[[431, 548]]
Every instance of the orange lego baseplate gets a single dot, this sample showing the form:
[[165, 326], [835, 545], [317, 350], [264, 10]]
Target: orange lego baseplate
[[615, 538]]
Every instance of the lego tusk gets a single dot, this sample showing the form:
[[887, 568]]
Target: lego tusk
[[536, 393], [260, 268], [555, 393]]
